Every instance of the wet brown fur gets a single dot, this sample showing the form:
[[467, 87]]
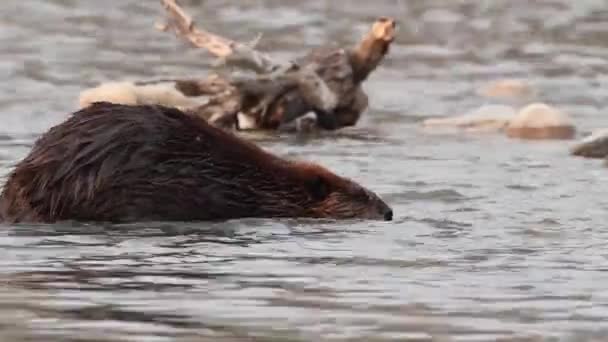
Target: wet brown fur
[[120, 163]]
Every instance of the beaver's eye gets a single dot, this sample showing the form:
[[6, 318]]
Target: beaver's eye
[[318, 188], [362, 196]]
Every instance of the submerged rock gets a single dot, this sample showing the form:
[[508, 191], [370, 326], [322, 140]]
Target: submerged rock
[[541, 121], [485, 118], [592, 146], [507, 88]]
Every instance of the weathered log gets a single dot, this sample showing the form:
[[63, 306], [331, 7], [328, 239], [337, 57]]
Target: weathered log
[[254, 95], [327, 81], [210, 86], [344, 71], [232, 52]]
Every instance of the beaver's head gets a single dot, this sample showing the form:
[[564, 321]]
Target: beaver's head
[[332, 196]]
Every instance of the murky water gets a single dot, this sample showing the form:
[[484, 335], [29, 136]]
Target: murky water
[[494, 239]]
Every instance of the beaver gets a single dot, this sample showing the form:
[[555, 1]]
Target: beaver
[[125, 163]]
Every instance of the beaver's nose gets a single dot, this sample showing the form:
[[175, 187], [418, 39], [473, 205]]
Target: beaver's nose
[[384, 210], [388, 214]]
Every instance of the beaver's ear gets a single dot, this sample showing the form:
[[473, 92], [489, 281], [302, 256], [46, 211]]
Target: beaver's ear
[[318, 188]]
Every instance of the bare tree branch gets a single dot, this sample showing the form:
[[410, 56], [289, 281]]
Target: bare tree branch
[[228, 51], [327, 82]]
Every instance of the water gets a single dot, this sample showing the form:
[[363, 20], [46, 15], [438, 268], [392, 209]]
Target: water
[[494, 239]]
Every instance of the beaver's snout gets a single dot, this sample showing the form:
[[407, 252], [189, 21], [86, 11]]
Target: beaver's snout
[[388, 215], [386, 212]]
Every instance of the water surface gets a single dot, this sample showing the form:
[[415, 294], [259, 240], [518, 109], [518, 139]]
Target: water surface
[[493, 239]]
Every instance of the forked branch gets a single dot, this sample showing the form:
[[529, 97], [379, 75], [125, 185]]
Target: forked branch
[[327, 82], [229, 51]]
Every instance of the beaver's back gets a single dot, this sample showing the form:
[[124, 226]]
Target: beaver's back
[[111, 162]]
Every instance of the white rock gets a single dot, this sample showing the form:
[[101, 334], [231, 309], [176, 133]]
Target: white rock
[[541, 121], [507, 88], [114, 92], [485, 118], [129, 93]]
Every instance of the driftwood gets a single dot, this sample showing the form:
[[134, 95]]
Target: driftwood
[[325, 81], [235, 53]]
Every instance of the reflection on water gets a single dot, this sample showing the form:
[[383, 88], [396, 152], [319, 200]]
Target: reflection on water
[[493, 238]]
